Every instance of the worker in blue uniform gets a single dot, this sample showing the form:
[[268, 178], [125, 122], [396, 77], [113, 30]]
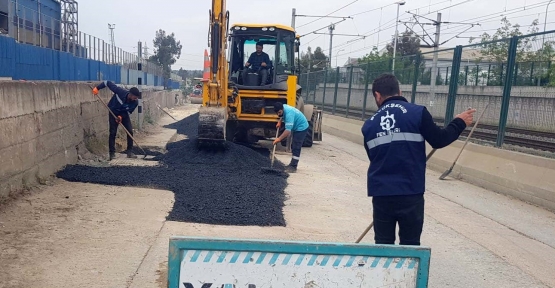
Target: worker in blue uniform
[[122, 104], [295, 125], [394, 139]]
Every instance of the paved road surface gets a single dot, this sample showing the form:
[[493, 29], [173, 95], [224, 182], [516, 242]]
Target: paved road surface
[[105, 236]]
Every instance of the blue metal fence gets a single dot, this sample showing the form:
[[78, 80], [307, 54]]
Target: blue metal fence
[[28, 62]]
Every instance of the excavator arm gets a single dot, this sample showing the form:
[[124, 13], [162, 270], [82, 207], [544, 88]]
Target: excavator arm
[[213, 114]]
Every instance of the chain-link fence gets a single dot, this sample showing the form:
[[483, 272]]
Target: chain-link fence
[[514, 77]]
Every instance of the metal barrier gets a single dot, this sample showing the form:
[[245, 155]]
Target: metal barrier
[[514, 75], [38, 34]]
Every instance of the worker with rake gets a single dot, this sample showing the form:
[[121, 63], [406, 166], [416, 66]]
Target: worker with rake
[[394, 139], [122, 104]]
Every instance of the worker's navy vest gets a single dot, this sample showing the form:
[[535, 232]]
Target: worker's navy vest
[[396, 149]]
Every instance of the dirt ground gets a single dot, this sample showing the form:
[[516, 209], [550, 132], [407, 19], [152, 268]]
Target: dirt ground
[[86, 235]]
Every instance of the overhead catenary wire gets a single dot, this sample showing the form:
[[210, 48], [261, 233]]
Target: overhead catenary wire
[[455, 26], [491, 30], [380, 29], [345, 6], [496, 15], [356, 14]]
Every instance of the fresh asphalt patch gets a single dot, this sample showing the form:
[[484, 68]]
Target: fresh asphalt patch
[[212, 187]]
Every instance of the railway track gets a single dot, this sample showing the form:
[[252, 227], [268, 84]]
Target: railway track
[[543, 141]]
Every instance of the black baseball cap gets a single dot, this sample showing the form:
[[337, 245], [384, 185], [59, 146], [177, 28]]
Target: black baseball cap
[[134, 91], [278, 106]]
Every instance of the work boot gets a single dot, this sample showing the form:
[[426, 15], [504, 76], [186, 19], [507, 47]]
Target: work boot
[[131, 155], [290, 169], [112, 156]]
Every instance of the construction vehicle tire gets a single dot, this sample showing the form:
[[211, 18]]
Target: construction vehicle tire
[[299, 102], [308, 140], [195, 100]]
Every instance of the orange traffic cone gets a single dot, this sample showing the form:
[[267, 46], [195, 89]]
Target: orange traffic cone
[[206, 74]]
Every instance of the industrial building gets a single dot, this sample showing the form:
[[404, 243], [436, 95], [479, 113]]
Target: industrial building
[[45, 23]]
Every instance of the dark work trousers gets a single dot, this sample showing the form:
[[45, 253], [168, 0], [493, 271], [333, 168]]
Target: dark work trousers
[[126, 121], [262, 74], [296, 145], [407, 210]]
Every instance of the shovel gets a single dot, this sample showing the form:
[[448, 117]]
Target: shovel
[[271, 169]]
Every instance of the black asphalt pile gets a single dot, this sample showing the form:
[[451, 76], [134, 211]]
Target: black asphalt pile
[[213, 187]]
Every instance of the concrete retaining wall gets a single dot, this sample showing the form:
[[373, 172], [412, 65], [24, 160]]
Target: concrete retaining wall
[[526, 177], [45, 125], [530, 107]]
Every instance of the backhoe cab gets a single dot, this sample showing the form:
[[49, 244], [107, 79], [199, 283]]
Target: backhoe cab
[[250, 115]]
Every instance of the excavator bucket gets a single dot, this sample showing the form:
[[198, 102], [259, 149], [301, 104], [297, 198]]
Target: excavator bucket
[[211, 127]]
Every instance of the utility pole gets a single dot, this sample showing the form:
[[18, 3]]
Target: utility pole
[[293, 18], [434, 64], [399, 4], [435, 44], [112, 41], [543, 38], [140, 50], [331, 28]]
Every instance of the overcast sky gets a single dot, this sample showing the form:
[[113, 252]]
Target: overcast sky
[[188, 19]]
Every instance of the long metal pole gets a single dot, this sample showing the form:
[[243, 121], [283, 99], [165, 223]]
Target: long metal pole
[[331, 28], [434, 64], [379, 29], [293, 15], [337, 55], [396, 37], [543, 37]]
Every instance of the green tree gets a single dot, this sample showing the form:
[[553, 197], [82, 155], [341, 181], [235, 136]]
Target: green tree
[[374, 64], [494, 50], [166, 51], [408, 49], [315, 63]]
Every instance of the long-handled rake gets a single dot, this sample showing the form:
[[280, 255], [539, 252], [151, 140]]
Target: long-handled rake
[[446, 173], [165, 111]]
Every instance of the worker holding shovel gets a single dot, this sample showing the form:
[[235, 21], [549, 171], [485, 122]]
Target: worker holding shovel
[[394, 139], [122, 104], [296, 125]]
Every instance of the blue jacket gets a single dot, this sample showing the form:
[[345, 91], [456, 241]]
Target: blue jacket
[[394, 141], [294, 119], [119, 104]]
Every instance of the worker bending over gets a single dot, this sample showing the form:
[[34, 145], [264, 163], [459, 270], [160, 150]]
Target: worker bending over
[[122, 104], [295, 124], [394, 139]]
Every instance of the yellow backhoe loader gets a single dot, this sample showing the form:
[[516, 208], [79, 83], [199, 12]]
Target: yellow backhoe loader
[[236, 105]]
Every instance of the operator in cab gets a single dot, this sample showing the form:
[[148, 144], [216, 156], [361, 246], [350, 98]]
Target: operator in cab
[[295, 124], [259, 63]]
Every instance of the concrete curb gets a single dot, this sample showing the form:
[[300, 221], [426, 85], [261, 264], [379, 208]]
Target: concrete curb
[[526, 177]]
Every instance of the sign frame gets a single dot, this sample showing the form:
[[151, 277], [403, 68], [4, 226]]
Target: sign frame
[[177, 244]]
